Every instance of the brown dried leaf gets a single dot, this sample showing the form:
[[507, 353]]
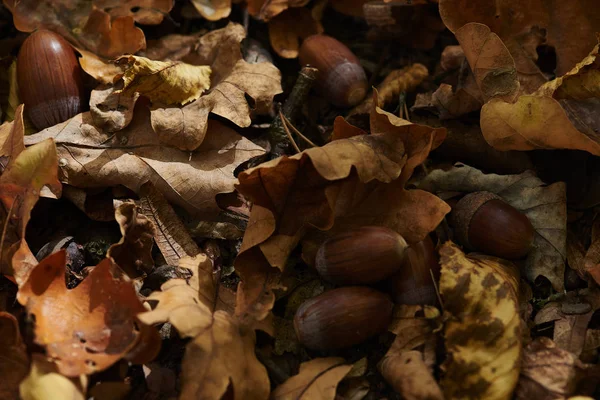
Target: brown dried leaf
[[11, 138], [213, 10], [286, 30], [548, 372], [99, 68], [83, 24], [545, 206], [133, 253], [267, 9], [147, 12], [483, 331], [88, 328], [317, 379], [171, 235], [111, 111], [91, 157], [406, 368], [570, 26], [15, 361], [232, 79]]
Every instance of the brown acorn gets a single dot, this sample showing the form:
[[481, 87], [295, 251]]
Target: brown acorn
[[49, 78], [484, 222], [413, 284], [341, 78], [365, 255], [342, 317]]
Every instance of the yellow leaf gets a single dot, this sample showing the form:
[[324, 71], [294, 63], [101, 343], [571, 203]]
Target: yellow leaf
[[164, 82], [482, 334], [44, 382]]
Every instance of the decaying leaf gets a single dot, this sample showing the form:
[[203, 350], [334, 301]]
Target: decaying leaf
[[548, 372], [287, 28], [11, 138], [213, 10], [545, 206], [83, 24], [133, 253], [101, 69], [46, 382], [15, 361], [483, 331], [231, 80], [88, 328], [170, 235], [267, 9], [407, 369], [111, 111], [222, 349], [90, 157], [167, 82], [317, 379]]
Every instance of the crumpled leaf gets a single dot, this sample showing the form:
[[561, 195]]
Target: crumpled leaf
[[548, 372], [11, 137], [222, 349], [15, 361], [46, 382], [213, 10], [133, 253], [100, 69], [111, 111], [287, 28], [545, 206], [491, 63], [20, 187], [405, 367], [167, 82], [147, 12], [171, 235], [309, 190], [570, 25], [90, 327], [559, 115], [317, 379], [267, 9], [90, 157], [82, 23], [483, 332], [232, 79]]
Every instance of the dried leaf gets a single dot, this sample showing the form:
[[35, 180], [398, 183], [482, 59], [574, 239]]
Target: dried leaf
[[133, 156], [111, 111], [15, 361], [88, 328], [267, 9], [171, 235], [11, 138], [147, 12], [483, 333], [167, 82], [407, 369], [133, 253], [100, 69], [545, 206], [317, 379], [548, 372], [213, 10], [232, 79], [45, 382], [286, 30]]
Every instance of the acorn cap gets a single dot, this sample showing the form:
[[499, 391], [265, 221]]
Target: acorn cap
[[463, 212]]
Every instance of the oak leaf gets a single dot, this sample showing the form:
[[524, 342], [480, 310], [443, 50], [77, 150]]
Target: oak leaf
[[483, 331], [213, 10], [267, 9], [164, 82], [82, 24], [545, 206], [317, 379], [571, 320], [91, 157], [222, 348], [90, 327], [287, 28], [15, 361]]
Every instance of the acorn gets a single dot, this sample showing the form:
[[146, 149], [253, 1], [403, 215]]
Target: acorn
[[341, 78], [342, 317], [414, 283], [49, 78], [365, 255], [484, 222]]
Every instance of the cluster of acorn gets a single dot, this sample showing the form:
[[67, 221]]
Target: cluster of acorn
[[351, 314]]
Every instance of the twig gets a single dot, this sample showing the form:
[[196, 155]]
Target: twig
[[278, 137], [296, 131], [287, 132]]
